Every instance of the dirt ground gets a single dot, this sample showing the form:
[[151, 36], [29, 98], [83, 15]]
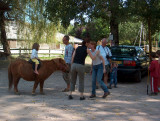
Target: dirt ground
[[128, 102]]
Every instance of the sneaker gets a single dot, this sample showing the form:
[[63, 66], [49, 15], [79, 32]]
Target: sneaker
[[106, 94], [92, 96], [65, 90], [82, 98], [109, 87], [97, 87], [70, 97], [156, 93], [115, 86], [153, 94]]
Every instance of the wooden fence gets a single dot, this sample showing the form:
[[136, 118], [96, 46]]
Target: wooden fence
[[48, 52]]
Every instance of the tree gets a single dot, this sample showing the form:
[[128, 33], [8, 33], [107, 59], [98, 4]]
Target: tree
[[29, 18], [3, 8], [97, 29], [87, 10], [129, 32], [148, 12]]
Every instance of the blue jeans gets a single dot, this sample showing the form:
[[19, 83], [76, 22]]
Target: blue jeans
[[97, 73], [113, 79]]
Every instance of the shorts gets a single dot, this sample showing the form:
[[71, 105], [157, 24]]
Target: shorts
[[107, 68], [35, 60]]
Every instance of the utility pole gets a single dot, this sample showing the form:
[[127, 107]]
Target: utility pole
[[141, 35], [149, 37]]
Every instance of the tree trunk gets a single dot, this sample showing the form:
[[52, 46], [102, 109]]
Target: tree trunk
[[4, 41], [114, 31], [114, 4], [149, 38]]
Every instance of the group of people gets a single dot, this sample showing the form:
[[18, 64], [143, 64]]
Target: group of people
[[101, 67], [154, 69], [101, 64], [75, 59]]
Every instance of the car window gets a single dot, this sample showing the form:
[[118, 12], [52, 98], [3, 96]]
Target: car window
[[141, 52], [123, 51]]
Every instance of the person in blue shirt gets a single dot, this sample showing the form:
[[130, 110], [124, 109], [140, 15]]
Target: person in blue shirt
[[67, 57]]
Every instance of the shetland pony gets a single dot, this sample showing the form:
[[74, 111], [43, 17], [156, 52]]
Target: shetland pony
[[23, 69]]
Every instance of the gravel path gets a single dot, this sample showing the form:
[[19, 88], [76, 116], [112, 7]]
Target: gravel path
[[128, 102]]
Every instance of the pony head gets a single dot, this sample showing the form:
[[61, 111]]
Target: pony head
[[61, 65]]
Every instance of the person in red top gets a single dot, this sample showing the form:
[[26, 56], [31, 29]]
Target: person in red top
[[154, 74], [158, 54]]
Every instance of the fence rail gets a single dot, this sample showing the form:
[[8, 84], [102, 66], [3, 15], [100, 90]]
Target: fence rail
[[49, 52]]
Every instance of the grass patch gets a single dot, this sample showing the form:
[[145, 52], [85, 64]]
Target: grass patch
[[42, 57], [5, 63], [51, 57]]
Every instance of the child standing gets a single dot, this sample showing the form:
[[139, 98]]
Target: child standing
[[34, 56], [154, 74], [113, 75], [158, 54]]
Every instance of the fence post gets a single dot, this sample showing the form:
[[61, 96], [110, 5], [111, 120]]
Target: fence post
[[20, 51], [62, 52], [49, 52]]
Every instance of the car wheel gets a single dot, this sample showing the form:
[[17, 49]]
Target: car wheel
[[138, 76]]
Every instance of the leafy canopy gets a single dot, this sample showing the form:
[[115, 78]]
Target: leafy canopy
[[32, 25]]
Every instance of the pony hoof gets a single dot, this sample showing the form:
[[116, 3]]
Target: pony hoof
[[33, 94], [42, 93], [16, 93], [9, 89]]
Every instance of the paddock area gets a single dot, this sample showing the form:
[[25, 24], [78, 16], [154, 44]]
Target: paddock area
[[128, 102]]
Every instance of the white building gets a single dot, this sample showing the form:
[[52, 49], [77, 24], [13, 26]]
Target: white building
[[12, 37]]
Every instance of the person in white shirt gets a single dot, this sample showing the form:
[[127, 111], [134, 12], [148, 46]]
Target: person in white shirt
[[67, 57], [98, 69], [34, 56], [105, 52]]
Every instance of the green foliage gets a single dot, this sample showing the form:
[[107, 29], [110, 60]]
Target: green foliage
[[32, 25], [128, 31], [90, 12], [49, 58], [63, 11], [146, 10], [86, 12], [125, 42], [95, 29], [98, 29], [80, 11], [64, 30]]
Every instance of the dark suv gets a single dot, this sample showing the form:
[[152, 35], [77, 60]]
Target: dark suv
[[132, 61]]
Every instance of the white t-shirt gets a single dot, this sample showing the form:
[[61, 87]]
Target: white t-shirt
[[97, 61], [104, 51]]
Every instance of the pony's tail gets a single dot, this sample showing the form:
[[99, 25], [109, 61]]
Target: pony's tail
[[10, 78]]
